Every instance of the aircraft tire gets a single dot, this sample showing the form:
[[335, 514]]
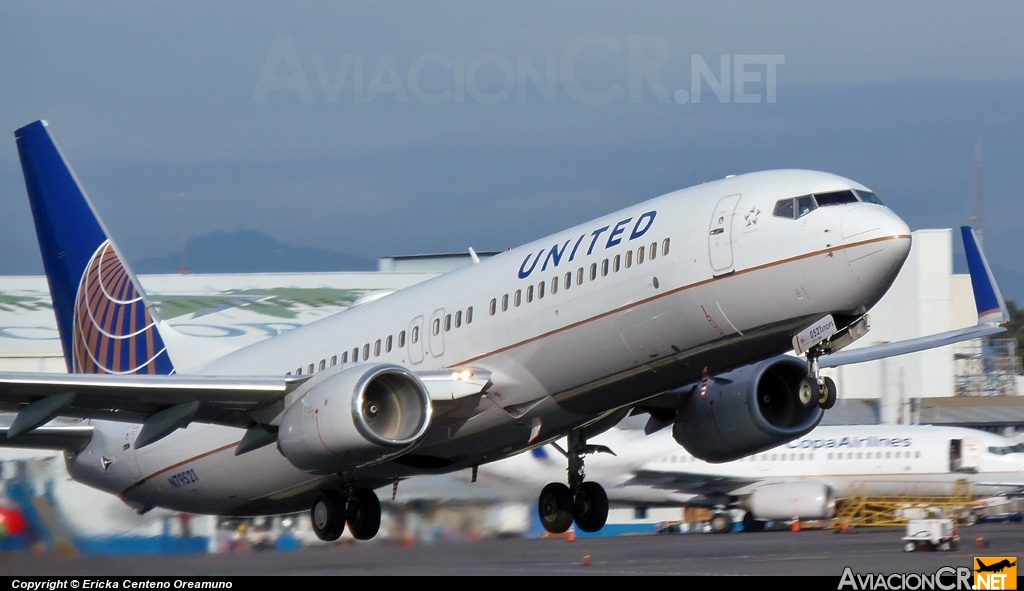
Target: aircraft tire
[[590, 509], [808, 392], [827, 398], [363, 514], [721, 523], [751, 524], [555, 508], [328, 515]]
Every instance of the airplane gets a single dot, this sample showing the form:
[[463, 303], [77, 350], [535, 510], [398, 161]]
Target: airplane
[[802, 478], [706, 286], [995, 567]]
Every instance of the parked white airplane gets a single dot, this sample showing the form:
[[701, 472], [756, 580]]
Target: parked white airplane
[[803, 477], [561, 336]]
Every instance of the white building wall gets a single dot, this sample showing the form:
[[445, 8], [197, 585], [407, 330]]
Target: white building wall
[[925, 299]]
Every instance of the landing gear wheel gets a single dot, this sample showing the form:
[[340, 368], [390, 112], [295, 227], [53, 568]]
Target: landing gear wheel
[[328, 515], [808, 392], [555, 507], [363, 514], [591, 507], [827, 396], [751, 524], [721, 523]]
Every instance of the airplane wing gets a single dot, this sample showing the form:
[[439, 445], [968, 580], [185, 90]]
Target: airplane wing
[[992, 313], [161, 402], [697, 484]]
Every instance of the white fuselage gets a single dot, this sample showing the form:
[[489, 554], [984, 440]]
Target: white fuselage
[[730, 284]]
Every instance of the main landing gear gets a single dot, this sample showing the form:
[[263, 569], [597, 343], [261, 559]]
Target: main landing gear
[[358, 506], [816, 389], [583, 502]]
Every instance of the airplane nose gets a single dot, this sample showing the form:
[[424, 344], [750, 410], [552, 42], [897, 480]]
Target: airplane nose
[[877, 243]]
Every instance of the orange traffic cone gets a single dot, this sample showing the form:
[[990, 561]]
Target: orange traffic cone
[[570, 536], [795, 526], [586, 558]]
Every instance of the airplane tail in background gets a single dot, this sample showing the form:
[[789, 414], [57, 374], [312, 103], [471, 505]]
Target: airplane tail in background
[[104, 318], [991, 307]]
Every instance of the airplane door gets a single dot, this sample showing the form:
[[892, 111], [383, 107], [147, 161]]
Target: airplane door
[[131, 431], [964, 455], [436, 334], [720, 235], [416, 340]]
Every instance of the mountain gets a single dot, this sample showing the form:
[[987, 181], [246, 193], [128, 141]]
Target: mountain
[[248, 251]]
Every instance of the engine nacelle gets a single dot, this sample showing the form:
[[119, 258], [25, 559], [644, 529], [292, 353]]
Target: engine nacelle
[[805, 499], [360, 416], [746, 411]]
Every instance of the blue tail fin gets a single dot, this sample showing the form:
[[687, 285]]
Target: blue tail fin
[[105, 323], [991, 307]]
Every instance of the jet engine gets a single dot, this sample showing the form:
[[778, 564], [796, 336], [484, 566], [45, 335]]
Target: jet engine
[[745, 411], [803, 498], [360, 416]]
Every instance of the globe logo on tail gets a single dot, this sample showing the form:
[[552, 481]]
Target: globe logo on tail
[[114, 332]]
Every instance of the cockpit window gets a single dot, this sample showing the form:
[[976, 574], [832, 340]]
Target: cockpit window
[[804, 206], [795, 208], [835, 198], [869, 197], [784, 209]]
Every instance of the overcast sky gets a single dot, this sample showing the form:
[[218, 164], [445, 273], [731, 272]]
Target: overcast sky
[[382, 128]]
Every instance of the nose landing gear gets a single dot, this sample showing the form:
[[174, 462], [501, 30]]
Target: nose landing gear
[[586, 503], [358, 506], [816, 389]]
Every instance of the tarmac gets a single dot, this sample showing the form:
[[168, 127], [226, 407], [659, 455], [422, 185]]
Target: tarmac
[[809, 552]]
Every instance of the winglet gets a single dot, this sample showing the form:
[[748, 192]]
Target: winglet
[[987, 298]]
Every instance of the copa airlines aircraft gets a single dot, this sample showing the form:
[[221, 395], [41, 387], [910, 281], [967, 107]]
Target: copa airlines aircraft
[[560, 337], [801, 478]]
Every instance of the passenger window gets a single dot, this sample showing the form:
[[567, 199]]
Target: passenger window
[[415, 334], [287, 373], [568, 279], [593, 271], [344, 357], [469, 315], [640, 255], [323, 364], [504, 303], [334, 360], [366, 351], [298, 372], [493, 307], [579, 276], [310, 369], [437, 326], [529, 294], [654, 250], [401, 339], [376, 348], [615, 264], [604, 268], [518, 299], [554, 285], [458, 319], [447, 322], [540, 290], [664, 247], [387, 344], [784, 209], [355, 355], [629, 258]]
